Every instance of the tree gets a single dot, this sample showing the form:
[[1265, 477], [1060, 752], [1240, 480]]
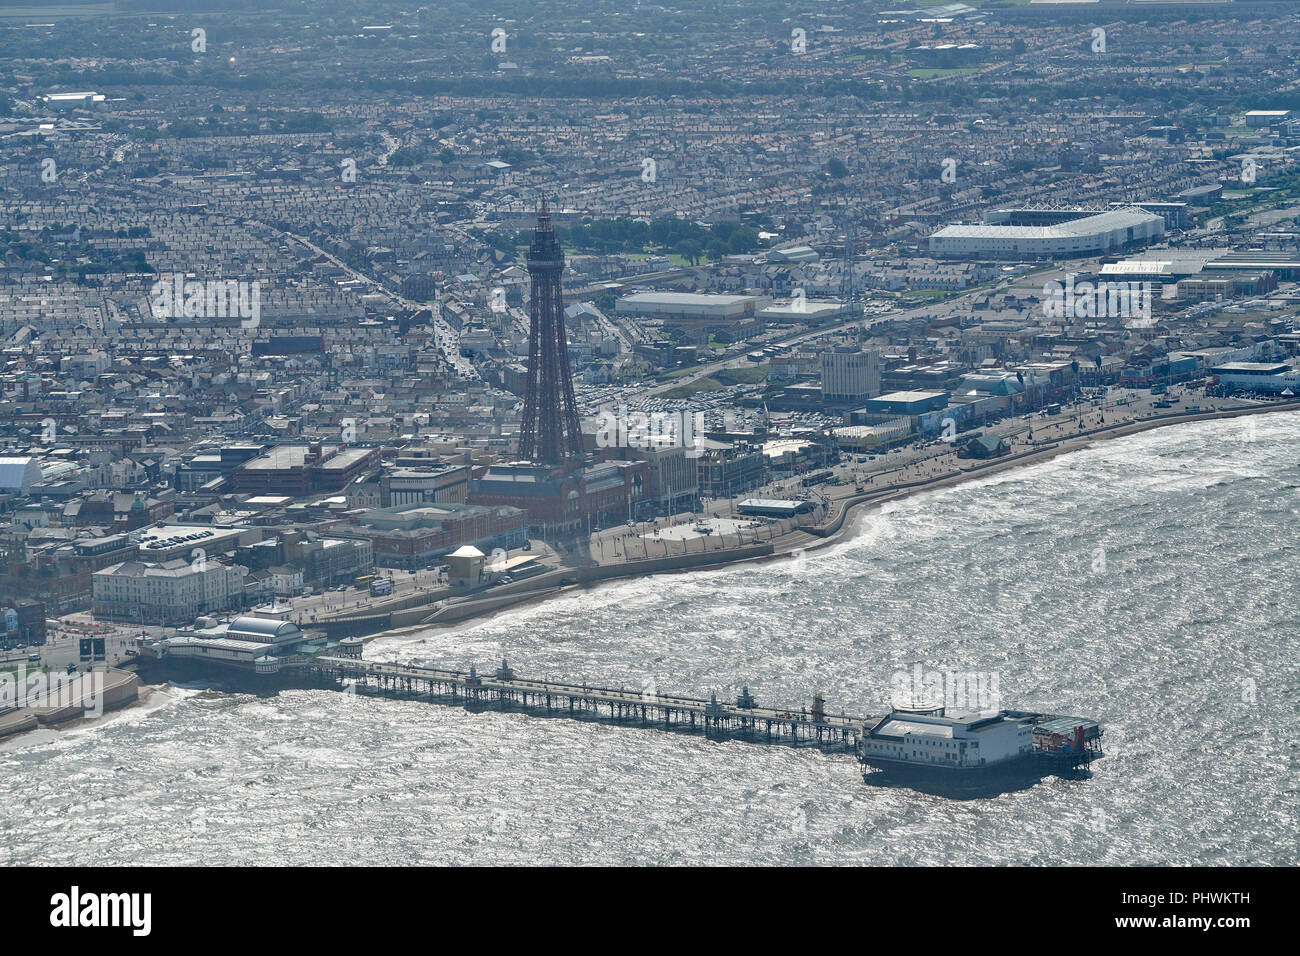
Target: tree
[[835, 166], [743, 240], [690, 250]]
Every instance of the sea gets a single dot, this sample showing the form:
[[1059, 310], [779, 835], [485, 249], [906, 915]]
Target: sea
[[1148, 582]]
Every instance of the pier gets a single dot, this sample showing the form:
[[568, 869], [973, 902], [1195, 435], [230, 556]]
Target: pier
[[741, 719], [1058, 742]]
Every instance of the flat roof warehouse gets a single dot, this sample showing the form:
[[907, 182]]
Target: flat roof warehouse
[[773, 507]]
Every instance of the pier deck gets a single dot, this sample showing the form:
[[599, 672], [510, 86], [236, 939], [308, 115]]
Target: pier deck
[[742, 719]]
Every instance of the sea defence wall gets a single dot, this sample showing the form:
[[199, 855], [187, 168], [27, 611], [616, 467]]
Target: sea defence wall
[[119, 689], [674, 562], [414, 611], [846, 506], [521, 592], [17, 722], [581, 576], [354, 626]]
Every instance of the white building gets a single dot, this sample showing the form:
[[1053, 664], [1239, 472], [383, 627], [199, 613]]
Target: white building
[[699, 315], [190, 541], [1086, 235], [437, 483], [72, 101], [18, 474], [689, 306], [673, 478], [1261, 118], [173, 592], [962, 741], [1259, 376], [793, 254], [850, 374], [803, 310], [258, 642], [285, 581]]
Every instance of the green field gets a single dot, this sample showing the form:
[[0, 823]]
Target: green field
[[723, 378], [929, 295], [930, 73], [676, 373], [745, 375]]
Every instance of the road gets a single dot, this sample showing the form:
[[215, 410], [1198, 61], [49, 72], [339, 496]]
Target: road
[[447, 338], [357, 601], [938, 310], [921, 461]]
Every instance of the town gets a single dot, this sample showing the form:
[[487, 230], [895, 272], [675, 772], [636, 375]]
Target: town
[[270, 349], [632, 434]]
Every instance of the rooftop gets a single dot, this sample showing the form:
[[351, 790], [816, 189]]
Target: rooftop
[[685, 298], [1074, 229]]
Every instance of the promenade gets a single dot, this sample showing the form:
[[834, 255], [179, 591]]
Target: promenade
[[718, 535]]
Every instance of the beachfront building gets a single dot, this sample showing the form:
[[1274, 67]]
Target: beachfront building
[[1276, 377], [171, 592]]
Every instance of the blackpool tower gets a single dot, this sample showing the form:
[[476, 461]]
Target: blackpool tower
[[550, 434]]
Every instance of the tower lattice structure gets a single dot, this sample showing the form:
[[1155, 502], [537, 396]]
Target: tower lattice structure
[[550, 434]]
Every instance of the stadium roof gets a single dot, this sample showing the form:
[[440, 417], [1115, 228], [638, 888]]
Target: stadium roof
[[1075, 228]]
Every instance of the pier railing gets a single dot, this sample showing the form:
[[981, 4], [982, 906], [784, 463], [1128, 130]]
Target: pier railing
[[742, 719]]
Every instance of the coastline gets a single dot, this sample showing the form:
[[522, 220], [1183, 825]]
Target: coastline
[[844, 519], [27, 728]]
